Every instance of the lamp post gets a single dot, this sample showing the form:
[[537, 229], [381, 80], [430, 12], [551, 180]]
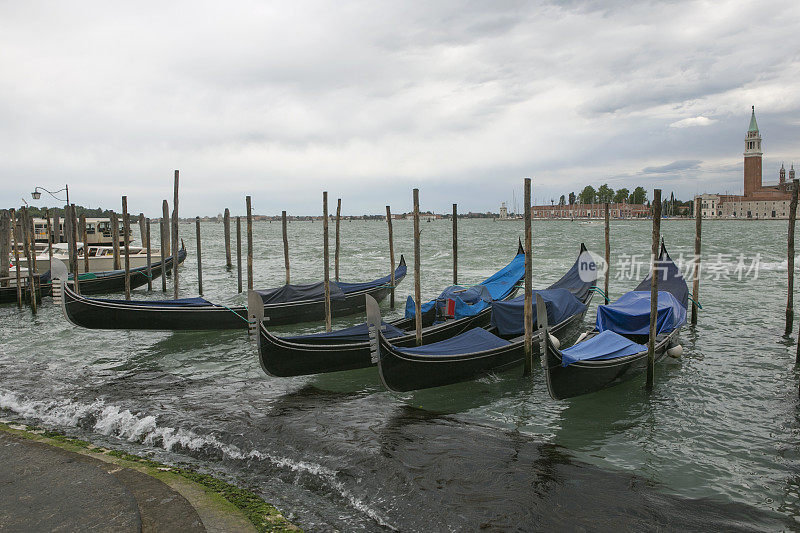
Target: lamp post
[[36, 194]]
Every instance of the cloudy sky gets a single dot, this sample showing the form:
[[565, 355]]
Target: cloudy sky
[[367, 100]]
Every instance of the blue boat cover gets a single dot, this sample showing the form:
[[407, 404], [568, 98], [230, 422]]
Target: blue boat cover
[[474, 340], [316, 291], [572, 279], [606, 345], [630, 314], [509, 316], [669, 278], [181, 302], [472, 300], [358, 333]]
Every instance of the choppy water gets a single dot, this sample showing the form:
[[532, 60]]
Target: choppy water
[[715, 445]]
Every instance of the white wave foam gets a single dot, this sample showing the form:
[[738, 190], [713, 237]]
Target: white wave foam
[[113, 421]]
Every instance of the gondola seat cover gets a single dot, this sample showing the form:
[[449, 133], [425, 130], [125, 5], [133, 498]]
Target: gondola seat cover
[[606, 345], [354, 334], [474, 340], [181, 302], [509, 317], [472, 300], [630, 314]]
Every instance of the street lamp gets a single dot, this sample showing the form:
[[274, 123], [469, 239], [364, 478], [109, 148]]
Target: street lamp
[[36, 194]]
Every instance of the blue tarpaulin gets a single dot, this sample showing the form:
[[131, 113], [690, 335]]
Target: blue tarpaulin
[[181, 302], [472, 300], [358, 333], [474, 340], [606, 345], [509, 319], [630, 314], [669, 278]]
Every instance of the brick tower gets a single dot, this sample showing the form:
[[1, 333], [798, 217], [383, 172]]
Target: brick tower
[[752, 157]]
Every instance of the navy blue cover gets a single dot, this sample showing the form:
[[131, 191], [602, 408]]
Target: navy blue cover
[[472, 300], [316, 291], [474, 340], [606, 345], [355, 334], [630, 314], [669, 278], [509, 316], [181, 302], [572, 279]]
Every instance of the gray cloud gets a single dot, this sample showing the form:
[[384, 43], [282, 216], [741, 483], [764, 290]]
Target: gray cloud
[[675, 166]]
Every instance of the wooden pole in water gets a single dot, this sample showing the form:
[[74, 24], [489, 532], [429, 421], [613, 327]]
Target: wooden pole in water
[[239, 251], [696, 267], [27, 240], [528, 315], [167, 218], [15, 243], [115, 239], [199, 258], [654, 272], [391, 254], [164, 228], [608, 251], [326, 259], [175, 236], [149, 256], [143, 231], [790, 264], [455, 244], [57, 227], [417, 285], [4, 251], [49, 239], [336, 251], [226, 225], [85, 237], [126, 229], [285, 244], [249, 244], [73, 230]]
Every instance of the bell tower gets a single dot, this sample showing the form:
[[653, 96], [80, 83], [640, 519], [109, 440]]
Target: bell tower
[[752, 157], [782, 178]]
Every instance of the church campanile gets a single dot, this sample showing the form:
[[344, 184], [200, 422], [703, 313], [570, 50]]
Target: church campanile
[[752, 157]]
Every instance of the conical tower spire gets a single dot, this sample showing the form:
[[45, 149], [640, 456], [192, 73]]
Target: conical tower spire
[[753, 125]]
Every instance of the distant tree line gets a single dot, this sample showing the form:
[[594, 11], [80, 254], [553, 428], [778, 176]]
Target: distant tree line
[[39, 212], [590, 195]]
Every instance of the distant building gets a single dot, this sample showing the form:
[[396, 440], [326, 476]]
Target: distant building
[[759, 201], [616, 210], [503, 211]]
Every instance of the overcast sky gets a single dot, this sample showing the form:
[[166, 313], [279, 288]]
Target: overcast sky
[[370, 99]]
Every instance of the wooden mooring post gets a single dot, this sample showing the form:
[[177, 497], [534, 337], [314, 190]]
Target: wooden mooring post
[[199, 258], [417, 284], [455, 244], [164, 230], [49, 238], [226, 226], [126, 229], [790, 264], [696, 271], [175, 236], [115, 238], [27, 247], [391, 254], [73, 235], [143, 231], [85, 237], [5, 237], [284, 231], [15, 244], [239, 251], [608, 252], [654, 272], [149, 256], [326, 260], [336, 249], [528, 301], [249, 244], [57, 227]]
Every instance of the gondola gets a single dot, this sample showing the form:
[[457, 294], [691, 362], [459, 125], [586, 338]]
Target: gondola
[[289, 304], [478, 351], [348, 349], [96, 282], [616, 349]]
